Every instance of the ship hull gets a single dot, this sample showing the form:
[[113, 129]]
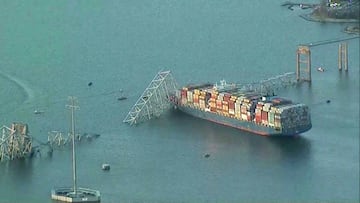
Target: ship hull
[[248, 126]]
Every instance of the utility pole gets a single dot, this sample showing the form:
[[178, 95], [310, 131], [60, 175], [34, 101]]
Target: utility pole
[[72, 106], [74, 194]]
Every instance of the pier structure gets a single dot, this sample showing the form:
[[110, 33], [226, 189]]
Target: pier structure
[[15, 142], [154, 100]]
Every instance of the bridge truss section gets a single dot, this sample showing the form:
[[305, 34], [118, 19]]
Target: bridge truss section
[[15, 142], [270, 85], [154, 100]]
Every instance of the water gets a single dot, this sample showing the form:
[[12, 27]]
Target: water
[[53, 49]]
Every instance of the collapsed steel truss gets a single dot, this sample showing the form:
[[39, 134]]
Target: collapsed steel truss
[[154, 100], [268, 86], [15, 142]]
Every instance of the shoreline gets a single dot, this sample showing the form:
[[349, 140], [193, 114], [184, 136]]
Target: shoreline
[[316, 18]]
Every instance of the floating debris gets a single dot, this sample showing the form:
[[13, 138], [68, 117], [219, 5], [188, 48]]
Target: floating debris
[[207, 155], [39, 112], [328, 101], [90, 83], [121, 98], [90, 135]]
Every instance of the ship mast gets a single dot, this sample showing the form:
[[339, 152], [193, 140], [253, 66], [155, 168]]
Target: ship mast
[[73, 107]]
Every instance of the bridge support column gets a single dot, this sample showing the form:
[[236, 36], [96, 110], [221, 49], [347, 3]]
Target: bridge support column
[[303, 64], [343, 56]]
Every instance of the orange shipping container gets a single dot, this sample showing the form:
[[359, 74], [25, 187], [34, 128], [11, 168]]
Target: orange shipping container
[[212, 109], [196, 98], [225, 105], [219, 104]]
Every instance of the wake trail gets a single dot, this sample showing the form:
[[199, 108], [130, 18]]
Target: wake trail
[[22, 85]]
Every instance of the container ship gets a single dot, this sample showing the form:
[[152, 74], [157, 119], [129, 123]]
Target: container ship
[[230, 105]]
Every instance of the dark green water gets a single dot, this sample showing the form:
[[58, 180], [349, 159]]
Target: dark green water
[[52, 49]]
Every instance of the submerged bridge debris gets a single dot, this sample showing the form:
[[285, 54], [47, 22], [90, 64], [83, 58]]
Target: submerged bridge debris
[[57, 139], [15, 142]]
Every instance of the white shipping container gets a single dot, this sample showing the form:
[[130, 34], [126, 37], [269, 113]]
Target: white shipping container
[[231, 111], [190, 96], [237, 107], [266, 109], [178, 93], [183, 101], [238, 115]]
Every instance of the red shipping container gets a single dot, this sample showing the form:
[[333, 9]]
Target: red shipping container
[[264, 115], [183, 93], [248, 116], [231, 105], [258, 117]]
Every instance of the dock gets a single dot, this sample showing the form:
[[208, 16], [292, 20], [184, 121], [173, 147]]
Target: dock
[[66, 194]]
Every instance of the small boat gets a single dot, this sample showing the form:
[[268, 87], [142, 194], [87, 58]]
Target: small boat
[[38, 112], [320, 69], [105, 167]]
